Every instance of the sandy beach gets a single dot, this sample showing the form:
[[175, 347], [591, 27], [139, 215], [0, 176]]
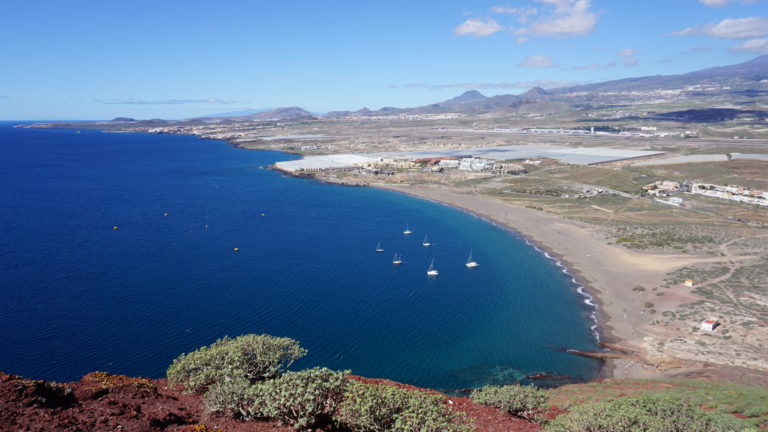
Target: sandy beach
[[608, 272]]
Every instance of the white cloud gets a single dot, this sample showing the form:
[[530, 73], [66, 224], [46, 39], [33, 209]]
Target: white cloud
[[730, 28], [568, 6], [628, 57], [476, 27], [522, 13], [721, 3], [538, 61], [759, 46], [570, 18]]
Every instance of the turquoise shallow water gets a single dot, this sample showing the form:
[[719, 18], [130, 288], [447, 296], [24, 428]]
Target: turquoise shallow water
[[78, 295]]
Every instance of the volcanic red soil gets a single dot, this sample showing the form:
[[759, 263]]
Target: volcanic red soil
[[105, 402]]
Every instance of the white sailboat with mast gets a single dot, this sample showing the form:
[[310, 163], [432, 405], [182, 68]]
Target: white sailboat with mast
[[426, 242], [397, 260], [378, 247], [432, 271], [407, 230], [470, 262]]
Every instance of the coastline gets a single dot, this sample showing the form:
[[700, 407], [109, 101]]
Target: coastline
[[604, 272], [607, 272]]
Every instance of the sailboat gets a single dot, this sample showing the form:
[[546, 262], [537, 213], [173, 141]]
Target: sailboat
[[426, 242], [432, 270], [407, 230], [470, 262], [397, 260], [378, 247]]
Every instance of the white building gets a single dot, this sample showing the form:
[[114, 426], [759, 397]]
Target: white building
[[475, 164], [709, 324], [662, 188]]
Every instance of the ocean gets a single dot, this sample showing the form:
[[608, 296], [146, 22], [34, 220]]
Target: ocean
[[117, 253]]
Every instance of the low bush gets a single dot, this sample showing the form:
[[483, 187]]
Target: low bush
[[250, 357], [299, 399], [644, 414], [231, 398], [517, 400], [381, 408]]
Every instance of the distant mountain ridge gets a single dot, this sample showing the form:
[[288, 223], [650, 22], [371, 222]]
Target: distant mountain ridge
[[747, 80], [240, 113], [287, 113], [469, 102], [752, 71], [276, 114]]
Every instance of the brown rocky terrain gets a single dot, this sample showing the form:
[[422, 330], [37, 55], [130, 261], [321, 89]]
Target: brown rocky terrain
[[104, 402]]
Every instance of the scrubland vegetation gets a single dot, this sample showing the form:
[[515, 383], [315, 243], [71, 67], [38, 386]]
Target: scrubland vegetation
[[246, 378]]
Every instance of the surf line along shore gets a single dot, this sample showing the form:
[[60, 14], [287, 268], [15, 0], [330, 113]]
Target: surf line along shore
[[608, 272]]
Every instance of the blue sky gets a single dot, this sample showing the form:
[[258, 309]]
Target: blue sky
[[175, 59]]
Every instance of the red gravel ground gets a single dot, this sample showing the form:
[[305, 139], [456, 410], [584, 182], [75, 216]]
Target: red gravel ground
[[105, 402]]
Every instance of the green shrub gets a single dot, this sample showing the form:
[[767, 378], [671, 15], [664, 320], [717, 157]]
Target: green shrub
[[231, 398], [644, 414], [515, 399], [382, 408], [251, 357], [299, 399]]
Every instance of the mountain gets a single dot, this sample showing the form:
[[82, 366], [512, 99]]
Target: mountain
[[752, 73], [363, 112], [537, 94], [467, 96], [741, 84], [240, 113], [752, 70], [277, 114], [287, 113]]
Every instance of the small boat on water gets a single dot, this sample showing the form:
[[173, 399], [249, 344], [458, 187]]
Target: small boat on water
[[432, 271], [378, 247], [470, 262], [397, 260], [426, 242], [407, 231]]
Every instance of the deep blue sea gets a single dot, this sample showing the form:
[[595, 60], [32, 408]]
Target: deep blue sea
[[77, 295]]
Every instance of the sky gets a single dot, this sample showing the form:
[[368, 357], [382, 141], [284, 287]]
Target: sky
[[93, 60]]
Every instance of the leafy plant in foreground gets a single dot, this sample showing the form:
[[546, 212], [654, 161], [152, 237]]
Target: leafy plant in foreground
[[381, 408], [517, 400], [299, 399], [231, 398], [250, 357]]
